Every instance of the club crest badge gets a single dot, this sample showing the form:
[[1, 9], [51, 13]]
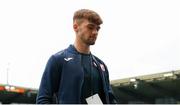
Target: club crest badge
[[102, 67]]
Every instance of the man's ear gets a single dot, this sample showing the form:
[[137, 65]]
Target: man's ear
[[75, 27]]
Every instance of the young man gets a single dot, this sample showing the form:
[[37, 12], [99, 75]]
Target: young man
[[74, 74]]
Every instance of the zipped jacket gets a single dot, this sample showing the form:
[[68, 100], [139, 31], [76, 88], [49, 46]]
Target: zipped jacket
[[63, 78]]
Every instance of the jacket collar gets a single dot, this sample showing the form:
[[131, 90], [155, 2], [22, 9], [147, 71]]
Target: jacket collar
[[73, 50]]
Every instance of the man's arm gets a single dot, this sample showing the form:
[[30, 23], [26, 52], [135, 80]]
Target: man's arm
[[49, 82], [112, 98]]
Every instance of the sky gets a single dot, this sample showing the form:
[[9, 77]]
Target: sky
[[137, 37]]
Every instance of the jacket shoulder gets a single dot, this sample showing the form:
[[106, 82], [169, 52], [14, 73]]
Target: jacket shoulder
[[59, 54]]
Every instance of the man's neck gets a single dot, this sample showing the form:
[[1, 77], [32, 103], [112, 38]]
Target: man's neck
[[82, 48]]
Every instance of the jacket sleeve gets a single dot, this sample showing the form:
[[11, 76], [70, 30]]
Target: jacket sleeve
[[112, 99], [49, 82]]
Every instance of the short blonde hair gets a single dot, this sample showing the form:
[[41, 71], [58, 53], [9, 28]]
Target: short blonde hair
[[90, 15]]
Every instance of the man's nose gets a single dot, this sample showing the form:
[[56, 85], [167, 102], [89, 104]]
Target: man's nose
[[95, 31]]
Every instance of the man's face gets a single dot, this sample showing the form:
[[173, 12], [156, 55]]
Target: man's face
[[87, 32]]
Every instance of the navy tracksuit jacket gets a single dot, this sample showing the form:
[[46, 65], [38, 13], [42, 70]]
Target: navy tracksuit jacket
[[63, 77]]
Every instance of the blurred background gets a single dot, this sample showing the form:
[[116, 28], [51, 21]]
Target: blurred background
[[138, 39]]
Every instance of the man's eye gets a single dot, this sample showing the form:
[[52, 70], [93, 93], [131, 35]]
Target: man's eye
[[91, 28], [98, 28]]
